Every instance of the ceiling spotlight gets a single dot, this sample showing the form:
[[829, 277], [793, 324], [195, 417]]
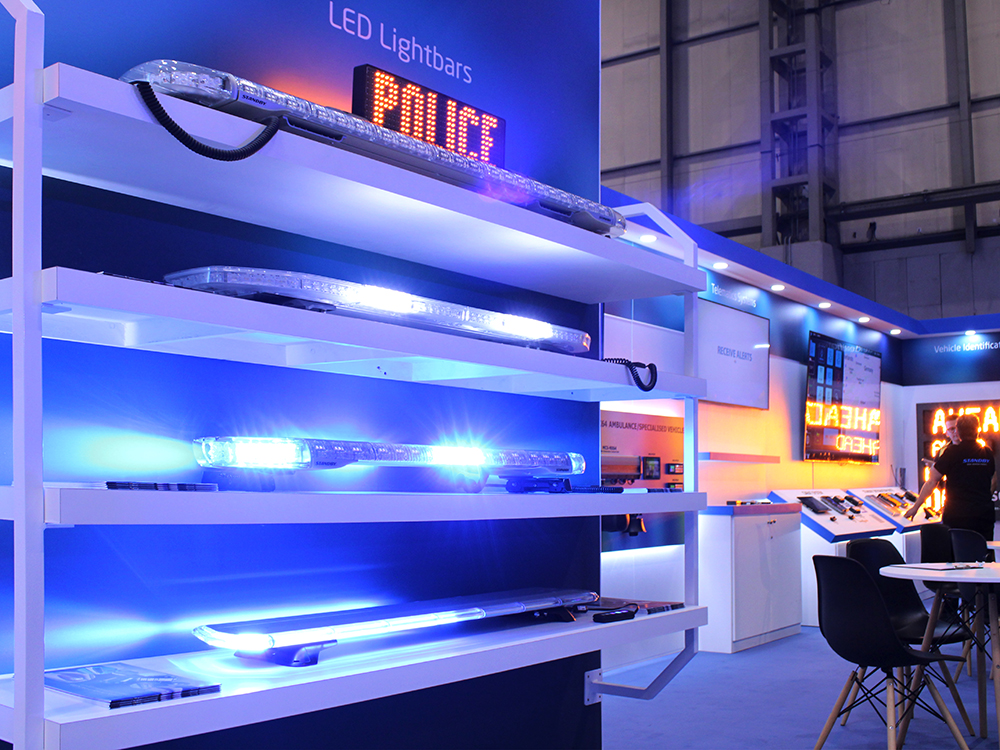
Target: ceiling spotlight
[[895, 332], [647, 239], [777, 287], [824, 305], [720, 265], [864, 319], [970, 333]]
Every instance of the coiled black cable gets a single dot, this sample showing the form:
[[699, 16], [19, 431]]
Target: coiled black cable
[[633, 367], [203, 149]]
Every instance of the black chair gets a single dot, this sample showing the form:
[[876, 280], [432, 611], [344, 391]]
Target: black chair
[[855, 622], [970, 546], [906, 609], [935, 546], [907, 612]]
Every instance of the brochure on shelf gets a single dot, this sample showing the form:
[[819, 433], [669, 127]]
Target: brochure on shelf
[[119, 684]]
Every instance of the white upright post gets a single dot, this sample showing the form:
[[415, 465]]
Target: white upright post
[[29, 519], [691, 452]]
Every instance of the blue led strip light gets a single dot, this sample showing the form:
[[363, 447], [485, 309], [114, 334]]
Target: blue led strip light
[[226, 92], [333, 295], [296, 640], [270, 453]]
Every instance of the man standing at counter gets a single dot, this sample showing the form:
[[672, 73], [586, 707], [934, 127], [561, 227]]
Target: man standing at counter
[[971, 472]]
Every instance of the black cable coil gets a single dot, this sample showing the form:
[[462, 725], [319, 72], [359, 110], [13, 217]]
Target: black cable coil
[[633, 367], [203, 149]]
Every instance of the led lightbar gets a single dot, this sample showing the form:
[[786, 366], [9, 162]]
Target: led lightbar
[[226, 92], [296, 641], [267, 453], [319, 292]]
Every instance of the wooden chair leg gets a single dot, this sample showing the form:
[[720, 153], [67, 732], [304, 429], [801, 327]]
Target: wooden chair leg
[[854, 694], [955, 696], [890, 709], [967, 655], [943, 708], [851, 680]]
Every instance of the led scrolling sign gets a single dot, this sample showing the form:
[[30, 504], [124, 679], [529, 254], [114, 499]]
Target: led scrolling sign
[[932, 440], [419, 112]]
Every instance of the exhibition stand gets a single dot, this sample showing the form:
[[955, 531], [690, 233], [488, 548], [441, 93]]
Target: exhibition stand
[[409, 504]]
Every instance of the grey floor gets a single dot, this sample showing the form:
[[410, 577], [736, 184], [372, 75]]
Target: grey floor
[[772, 697]]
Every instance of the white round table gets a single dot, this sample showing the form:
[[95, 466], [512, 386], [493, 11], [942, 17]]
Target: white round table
[[978, 574]]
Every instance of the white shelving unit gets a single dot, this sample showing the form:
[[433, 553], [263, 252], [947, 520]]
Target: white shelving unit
[[96, 132]]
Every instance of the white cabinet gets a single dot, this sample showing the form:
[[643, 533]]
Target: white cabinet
[[749, 565], [96, 133]]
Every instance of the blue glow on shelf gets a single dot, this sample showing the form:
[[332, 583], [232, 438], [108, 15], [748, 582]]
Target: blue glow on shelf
[[89, 452]]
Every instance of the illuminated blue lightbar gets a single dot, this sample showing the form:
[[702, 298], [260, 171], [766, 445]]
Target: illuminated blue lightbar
[[238, 96], [296, 640], [269, 453], [334, 295]]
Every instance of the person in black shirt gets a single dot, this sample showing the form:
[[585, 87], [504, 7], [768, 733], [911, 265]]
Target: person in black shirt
[[971, 472]]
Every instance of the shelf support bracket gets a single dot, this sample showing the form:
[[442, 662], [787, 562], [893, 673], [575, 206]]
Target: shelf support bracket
[[594, 686]]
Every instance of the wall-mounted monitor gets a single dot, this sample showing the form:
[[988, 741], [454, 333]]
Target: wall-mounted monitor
[[733, 355], [843, 397]]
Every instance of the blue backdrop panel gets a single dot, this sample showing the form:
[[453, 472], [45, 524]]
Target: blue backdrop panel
[[952, 359], [537, 65]]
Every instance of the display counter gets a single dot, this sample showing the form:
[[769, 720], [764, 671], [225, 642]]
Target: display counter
[[830, 519], [750, 575]]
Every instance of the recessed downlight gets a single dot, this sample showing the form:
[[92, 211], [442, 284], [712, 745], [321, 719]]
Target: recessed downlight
[[647, 239], [970, 333], [895, 332], [864, 319], [824, 305], [777, 287], [720, 265]]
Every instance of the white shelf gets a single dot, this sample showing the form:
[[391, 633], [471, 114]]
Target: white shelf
[[98, 133], [344, 675], [746, 458], [89, 506], [101, 506], [113, 311]]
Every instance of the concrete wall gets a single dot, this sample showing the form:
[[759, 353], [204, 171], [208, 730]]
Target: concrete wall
[[932, 281], [899, 133]]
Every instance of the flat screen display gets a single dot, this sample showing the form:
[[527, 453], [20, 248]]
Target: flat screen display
[[733, 355], [843, 398]]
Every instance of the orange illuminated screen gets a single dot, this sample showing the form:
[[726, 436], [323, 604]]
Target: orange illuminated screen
[[934, 439], [843, 398], [419, 112]]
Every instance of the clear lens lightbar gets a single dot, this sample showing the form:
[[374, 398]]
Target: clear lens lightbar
[[297, 640], [219, 90], [324, 293], [265, 453]]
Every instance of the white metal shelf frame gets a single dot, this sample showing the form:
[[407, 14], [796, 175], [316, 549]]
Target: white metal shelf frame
[[518, 248], [29, 524]]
